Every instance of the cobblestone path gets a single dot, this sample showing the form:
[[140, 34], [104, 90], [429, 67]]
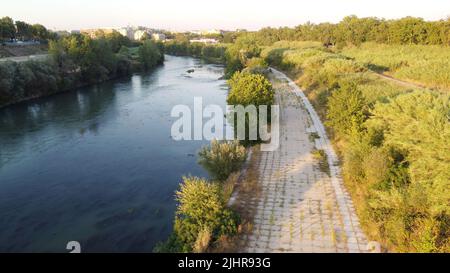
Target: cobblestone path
[[302, 205]]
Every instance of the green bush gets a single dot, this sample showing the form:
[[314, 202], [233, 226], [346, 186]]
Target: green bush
[[220, 159], [250, 89], [402, 175], [149, 55], [345, 113], [200, 208]]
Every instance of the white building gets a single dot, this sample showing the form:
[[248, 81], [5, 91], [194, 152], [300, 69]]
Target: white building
[[158, 36], [127, 32], [139, 34]]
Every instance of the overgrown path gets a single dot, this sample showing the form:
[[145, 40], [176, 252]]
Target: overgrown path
[[399, 82], [300, 207]]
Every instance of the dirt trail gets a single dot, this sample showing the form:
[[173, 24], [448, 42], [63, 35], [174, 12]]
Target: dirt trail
[[299, 208], [399, 82]]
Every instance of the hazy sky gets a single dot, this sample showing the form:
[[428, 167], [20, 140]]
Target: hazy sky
[[202, 14]]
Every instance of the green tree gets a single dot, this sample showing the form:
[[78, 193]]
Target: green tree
[[40, 32], [7, 28], [149, 54], [345, 109], [24, 30], [250, 89]]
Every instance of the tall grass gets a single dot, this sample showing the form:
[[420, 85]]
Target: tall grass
[[423, 64]]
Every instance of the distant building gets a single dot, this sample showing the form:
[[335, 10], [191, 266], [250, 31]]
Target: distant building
[[159, 36], [139, 34], [132, 33], [127, 32]]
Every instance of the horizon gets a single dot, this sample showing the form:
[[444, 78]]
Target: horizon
[[182, 16]]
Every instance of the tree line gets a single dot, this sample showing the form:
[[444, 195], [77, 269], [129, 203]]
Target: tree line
[[183, 47], [23, 31], [353, 30]]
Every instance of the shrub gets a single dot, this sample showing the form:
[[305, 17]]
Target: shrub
[[220, 159], [149, 55], [250, 89], [201, 214], [418, 125], [346, 109]]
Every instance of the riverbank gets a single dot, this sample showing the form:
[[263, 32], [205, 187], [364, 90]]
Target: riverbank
[[137, 69], [74, 61]]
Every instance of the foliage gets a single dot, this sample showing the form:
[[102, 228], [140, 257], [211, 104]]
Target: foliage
[[203, 240], [201, 213], [74, 60], [27, 79], [418, 125], [149, 55], [222, 158], [22, 30], [352, 30], [425, 64], [250, 89], [214, 52], [243, 49], [393, 141], [7, 28], [345, 113]]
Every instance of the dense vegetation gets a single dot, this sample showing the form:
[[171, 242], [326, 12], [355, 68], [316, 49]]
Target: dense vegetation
[[393, 142], [250, 89], [75, 60], [355, 31], [23, 31], [222, 158], [426, 65], [202, 217], [213, 52]]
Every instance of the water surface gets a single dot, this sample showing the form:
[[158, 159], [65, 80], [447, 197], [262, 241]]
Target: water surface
[[98, 165]]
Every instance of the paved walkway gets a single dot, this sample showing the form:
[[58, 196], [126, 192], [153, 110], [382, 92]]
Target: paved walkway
[[300, 208], [38, 57]]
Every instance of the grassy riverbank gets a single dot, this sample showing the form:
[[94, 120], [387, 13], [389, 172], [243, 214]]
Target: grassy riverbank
[[389, 138]]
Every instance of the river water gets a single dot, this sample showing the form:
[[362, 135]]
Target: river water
[[98, 165]]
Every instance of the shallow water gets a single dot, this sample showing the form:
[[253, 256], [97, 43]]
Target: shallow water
[[97, 165]]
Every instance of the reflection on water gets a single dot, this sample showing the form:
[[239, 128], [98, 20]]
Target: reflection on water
[[98, 165]]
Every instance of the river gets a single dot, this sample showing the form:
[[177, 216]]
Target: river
[[98, 165]]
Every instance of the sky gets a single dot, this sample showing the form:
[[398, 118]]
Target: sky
[[210, 14]]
